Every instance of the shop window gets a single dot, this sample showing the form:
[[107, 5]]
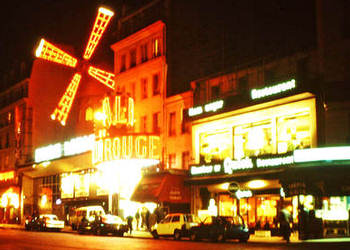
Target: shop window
[[156, 84], [185, 159], [172, 124], [132, 58], [215, 147], [253, 139], [293, 132], [122, 63], [144, 51], [156, 121], [144, 88], [172, 160]]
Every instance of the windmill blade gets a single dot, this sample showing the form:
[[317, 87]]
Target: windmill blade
[[101, 22], [65, 104], [51, 53], [102, 76]]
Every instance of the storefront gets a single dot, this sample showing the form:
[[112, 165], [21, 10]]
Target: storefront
[[9, 197], [247, 150]]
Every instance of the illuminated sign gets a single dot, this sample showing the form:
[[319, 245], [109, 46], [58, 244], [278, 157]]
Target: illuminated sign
[[272, 90], [72, 147], [6, 176], [126, 147], [229, 166], [243, 194], [322, 154], [210, 107], [121, 115]]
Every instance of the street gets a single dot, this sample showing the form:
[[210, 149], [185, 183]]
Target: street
[[20, 239]]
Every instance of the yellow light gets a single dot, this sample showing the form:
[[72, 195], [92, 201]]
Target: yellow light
[[102, 76], [224, 186], [5, 176], [65, 104], [43, 200], [101, 22], [51, 53], [46, 163], [256, 184]]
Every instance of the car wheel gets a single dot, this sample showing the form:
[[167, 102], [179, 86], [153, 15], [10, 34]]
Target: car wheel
[[155, 234], [194, 236], [220, 237], [177, 234]]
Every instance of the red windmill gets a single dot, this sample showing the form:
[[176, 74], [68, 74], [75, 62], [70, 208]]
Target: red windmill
[[50, 52]]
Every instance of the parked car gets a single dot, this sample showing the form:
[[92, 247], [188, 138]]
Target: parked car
[[175, 225], [85, 212], [220, 228], [102, 225], [44, 222]]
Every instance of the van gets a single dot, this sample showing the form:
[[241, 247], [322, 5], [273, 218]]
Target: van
[[87, 212]]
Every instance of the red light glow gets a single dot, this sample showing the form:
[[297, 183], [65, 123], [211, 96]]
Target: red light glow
[[51, 53], [101, 22], [65, 104], [102, 76]]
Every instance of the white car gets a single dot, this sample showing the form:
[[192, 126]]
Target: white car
[[175, 225], [44, 222]]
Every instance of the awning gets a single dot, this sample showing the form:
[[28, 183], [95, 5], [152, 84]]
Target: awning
[[162, 187]]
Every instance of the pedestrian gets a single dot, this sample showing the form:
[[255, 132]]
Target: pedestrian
[[147, 219], [129, 219], [284, 219], [137, 217]]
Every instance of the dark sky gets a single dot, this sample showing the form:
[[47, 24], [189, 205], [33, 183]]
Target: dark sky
[[69, 22]]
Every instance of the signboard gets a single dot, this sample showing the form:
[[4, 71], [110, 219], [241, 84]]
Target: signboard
[[71, 147], [233, 187], [229, 166], [273, 90], [209, 107]]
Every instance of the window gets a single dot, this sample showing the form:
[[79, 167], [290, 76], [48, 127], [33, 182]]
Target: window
[[176, 218], [172, 160], [172, 127], [132, 58], [185, 159], [52, 186], [144, 57], [143, 125], [185, 128], [7, 144], [156, 47], [89, 114], [156, 87], [156, 120], [144, 88], [215, 92], [122, 63], [133, 91]]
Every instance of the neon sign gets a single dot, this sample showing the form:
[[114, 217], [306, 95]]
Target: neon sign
[[72, 147], [209, 107], [272, 90], [229, 166], [121, 115], [322, 154], [6, 176], [126, 147]]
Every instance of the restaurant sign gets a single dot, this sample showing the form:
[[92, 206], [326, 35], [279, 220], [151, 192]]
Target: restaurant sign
[[229, 166]]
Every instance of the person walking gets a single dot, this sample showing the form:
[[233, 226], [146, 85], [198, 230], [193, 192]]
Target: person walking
[[284, 219], [129, 219], [137, 217]]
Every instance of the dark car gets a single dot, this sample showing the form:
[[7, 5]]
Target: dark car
[[44, 222], [102, 225], [220, 228]]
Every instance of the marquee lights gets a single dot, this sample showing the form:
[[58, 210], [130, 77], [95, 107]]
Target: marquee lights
[[272, 90], [65, 104], [103, 76], [7, 176], [51, 53], [101, 22], [209, 107], [126, 147], [72, 147]]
